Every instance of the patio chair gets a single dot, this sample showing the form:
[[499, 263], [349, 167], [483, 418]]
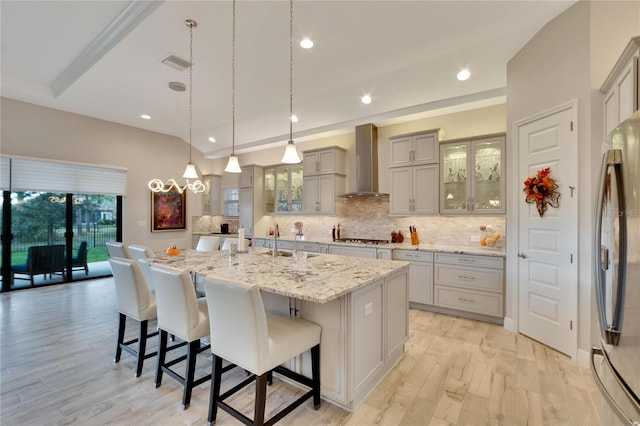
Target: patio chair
[[79, 261]]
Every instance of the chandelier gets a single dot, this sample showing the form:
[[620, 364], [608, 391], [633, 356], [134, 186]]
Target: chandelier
[[157, 185]]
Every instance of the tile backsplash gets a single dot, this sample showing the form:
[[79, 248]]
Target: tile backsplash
[[369, 218], [207, 224]]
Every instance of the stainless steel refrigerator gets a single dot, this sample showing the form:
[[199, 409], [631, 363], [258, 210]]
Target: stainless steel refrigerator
[[615, 362]]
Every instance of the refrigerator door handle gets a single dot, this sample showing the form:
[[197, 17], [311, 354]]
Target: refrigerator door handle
[[611, 177], [605, 393]]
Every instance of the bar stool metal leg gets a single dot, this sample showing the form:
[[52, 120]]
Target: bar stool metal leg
[[122, 321]]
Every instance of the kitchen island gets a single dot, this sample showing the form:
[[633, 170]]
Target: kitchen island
[[361, 304]]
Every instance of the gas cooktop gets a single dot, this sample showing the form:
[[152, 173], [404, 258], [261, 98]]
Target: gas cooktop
[[362, 240]]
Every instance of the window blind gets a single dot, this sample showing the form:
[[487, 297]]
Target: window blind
[[35, 174]]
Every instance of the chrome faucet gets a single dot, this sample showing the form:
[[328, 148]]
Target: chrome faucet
[[274, 250]]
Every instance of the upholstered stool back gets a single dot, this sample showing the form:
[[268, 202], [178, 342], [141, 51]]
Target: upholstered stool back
[[208, 243], [140, 252], [145, 265], [117, 249], [229, 241], [178, 306], [134, 298]]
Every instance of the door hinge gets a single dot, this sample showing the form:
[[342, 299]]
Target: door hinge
[[571, 325], [571, 126]]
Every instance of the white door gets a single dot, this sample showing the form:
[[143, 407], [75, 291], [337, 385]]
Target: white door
[[547, 245]]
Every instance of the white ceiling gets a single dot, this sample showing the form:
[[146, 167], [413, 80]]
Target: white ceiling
[[102, 59]]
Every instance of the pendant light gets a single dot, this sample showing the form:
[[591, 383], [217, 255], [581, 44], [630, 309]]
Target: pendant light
[[156, 185], [233, 166], [291, 153]]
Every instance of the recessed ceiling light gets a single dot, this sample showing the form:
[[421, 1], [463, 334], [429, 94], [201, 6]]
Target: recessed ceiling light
[[146, 116], [366, 99], [294, 118], [464, 75], [306, 43], [212, 139]]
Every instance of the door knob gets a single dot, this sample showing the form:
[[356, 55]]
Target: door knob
[[522, 255]]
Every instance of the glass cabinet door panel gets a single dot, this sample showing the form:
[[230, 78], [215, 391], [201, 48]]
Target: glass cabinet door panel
[[455, 177], [269, 189], [296, 188], [282, 190], [487, 175]]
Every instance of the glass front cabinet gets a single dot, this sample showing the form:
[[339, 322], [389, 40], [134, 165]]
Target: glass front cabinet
[[471, 176], [283, 189]]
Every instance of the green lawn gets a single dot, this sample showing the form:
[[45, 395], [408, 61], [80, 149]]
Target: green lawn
[[96, 254]]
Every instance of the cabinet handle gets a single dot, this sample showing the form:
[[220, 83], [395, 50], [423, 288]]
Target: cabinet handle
[[464, 277], [464, 300], [317, 167], [462, 259]]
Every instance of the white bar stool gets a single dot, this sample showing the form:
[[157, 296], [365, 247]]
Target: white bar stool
[[140, 252], [134, 301], [242, 333], [183, 315], [117, 249], [208, 243]]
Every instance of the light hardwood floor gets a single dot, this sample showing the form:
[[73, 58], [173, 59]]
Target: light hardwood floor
[[56, 368]]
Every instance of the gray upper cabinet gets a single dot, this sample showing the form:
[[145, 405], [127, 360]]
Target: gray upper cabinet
[[212, 196], [323, 161], [414, 173], [324, 180], [621, 89], [471, 176], [415, 148]]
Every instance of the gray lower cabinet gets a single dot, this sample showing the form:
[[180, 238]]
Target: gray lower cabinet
[[363, 336], [420, 274], [470, 283]]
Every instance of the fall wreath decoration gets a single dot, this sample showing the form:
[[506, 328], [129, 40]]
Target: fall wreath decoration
[[541, 189]]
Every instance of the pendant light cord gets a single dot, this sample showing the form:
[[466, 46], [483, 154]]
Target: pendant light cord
[[233, 82], [290, 70], [191, 24]]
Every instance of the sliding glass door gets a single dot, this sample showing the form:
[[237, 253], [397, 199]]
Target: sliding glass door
[[38, 245], [56, 218], [56, 238]]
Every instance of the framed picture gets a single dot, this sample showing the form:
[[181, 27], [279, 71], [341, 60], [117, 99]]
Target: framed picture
[[168, 211]]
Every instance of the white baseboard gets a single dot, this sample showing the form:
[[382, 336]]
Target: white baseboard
[[508, 324], [583, 358]]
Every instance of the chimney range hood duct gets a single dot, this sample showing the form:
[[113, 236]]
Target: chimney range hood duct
[[366, 162]]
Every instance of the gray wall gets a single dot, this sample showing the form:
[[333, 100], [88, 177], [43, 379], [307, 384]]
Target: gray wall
[[568, 60], [34, 131]]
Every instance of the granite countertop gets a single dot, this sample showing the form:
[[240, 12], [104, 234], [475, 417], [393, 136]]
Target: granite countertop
[[433, 247], [318, 278]]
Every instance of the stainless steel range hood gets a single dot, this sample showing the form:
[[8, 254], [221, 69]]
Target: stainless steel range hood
[[366, 162]]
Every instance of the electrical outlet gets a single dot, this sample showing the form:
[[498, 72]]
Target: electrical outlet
[[368, 309]]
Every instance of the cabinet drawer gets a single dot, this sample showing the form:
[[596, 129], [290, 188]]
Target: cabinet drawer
[[470, 301], [471, 278], [471, 260], [413, 255]]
